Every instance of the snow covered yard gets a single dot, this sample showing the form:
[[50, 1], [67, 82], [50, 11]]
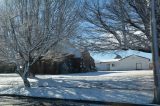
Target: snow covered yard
[[112, 86]]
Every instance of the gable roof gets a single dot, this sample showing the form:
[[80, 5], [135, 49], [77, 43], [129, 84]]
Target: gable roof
[[136, 56], [116, 60]]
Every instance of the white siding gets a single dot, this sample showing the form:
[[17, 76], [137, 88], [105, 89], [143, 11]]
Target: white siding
[[102, 66], [130, 62]]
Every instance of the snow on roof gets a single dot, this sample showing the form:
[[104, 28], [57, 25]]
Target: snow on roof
[[70, 49], [115, 60], [65, 47], [98, 57], [110, 60], [135, 56]]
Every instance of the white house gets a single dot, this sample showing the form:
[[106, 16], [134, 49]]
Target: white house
[[132, 62], [105, 65]]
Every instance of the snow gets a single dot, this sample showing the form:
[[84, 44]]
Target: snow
[[112, 86], [110, 60], [74, 51], [99, 57], [67, 47]]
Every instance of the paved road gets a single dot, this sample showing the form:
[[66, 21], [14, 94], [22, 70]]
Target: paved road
[[24, 101], [27, 101]]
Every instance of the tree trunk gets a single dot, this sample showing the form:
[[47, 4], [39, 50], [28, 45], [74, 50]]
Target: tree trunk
[[157, 82], [156, 95], [155, 52], [26, 82], [25, 75], [18, 70]]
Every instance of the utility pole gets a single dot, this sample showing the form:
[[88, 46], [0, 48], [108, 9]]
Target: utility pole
[[155, 52]]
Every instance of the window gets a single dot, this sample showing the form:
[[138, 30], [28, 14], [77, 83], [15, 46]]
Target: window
[[113, 65]]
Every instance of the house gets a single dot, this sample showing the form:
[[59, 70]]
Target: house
[[60, 59], [63, 59], [105, 65], [132, 62]]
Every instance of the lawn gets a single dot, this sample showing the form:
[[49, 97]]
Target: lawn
[[112, 86]]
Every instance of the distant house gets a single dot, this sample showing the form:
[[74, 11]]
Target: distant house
[[63, 59], [60, 59], [132, 62]]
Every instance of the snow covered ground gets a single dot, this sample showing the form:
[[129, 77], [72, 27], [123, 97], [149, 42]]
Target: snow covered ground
[[112, 86]]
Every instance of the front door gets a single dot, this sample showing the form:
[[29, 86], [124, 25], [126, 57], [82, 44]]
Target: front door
[[108, 67]]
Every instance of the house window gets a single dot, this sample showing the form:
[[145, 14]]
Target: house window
[[113, 65]]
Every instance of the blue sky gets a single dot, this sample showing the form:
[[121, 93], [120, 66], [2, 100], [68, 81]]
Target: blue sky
[[106, 56]]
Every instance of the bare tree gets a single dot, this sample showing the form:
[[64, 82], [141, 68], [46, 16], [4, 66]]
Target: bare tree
[[122, 25], [118, 25], [29, 28]]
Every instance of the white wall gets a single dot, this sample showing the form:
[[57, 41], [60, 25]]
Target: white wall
[[129, 63], [102, 66]]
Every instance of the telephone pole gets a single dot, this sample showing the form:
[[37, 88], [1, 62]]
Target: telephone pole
[[155, 53]]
